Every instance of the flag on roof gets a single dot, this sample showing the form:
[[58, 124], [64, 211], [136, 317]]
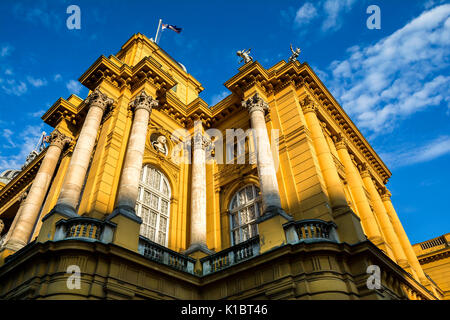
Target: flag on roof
[[171, 27]]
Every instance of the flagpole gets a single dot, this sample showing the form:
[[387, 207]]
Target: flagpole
[[157, 31]]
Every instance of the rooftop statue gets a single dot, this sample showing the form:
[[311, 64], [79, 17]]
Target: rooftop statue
[[295, 54], [245, 55]]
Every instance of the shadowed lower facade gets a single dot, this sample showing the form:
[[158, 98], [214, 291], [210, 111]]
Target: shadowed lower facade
[[142, 191]]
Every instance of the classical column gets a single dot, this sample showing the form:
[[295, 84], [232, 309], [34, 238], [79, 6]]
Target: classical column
[[404, 241], [356, 188], [129, 181], [31, 206], [383, 218], [326, 162], [76, 171], [198, 194], [268, 184]]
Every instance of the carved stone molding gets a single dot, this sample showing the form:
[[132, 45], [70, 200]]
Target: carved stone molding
[[144, 101], [98, 99], [255, 103], [58, 139], [308, 105]]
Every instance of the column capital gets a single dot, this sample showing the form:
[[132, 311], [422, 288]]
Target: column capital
[[386, 194], [98, 99], [58, 139], [201, 142], [340, 141], [308, 105], [144, 101], [255, 103], [364, 169]]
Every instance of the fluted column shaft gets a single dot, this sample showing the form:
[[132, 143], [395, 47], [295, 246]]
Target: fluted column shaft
[[129, 182], [31, 206], [332, 181], [403, 238], [383, 219], [76, 171], [356, 188], [198, 191], [257, 107]]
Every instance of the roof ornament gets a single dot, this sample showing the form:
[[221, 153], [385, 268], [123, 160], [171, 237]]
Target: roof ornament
[[245, 55], [41, 145], [295, 54]]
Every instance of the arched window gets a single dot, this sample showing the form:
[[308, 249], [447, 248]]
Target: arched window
[[153, 205], [245, 208]]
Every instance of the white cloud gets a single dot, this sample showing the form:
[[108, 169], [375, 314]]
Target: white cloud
[[13, 87], [329, 11], [57, 77], [74, 86], [38, 113], [333, 13], [218, 97], [401, 74], [430, 151], [8, 72], [25, 141], [36, 82], [6, 50], [305, 14], [7, 135]]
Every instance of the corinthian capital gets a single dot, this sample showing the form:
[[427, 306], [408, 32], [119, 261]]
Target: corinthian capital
[[364, 169], [385, 194], [98, 99], [144, 101], [308, 105], [201, 142], [255, 103], [340, 141], [58, 139]]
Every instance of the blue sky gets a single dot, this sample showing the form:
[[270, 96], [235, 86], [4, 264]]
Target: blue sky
[[393, 82]]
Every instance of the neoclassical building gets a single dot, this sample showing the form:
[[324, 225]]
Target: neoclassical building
[[272, 193]]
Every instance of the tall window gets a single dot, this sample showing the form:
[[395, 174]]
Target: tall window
[[245, 208], [152, 205]]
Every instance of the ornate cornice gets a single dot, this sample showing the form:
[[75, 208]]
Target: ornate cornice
[[255, 104]]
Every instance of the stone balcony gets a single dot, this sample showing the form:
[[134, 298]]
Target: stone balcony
[[312, 265]]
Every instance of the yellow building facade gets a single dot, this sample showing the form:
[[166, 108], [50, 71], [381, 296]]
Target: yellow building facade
[[272, 193], [434, 256]]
